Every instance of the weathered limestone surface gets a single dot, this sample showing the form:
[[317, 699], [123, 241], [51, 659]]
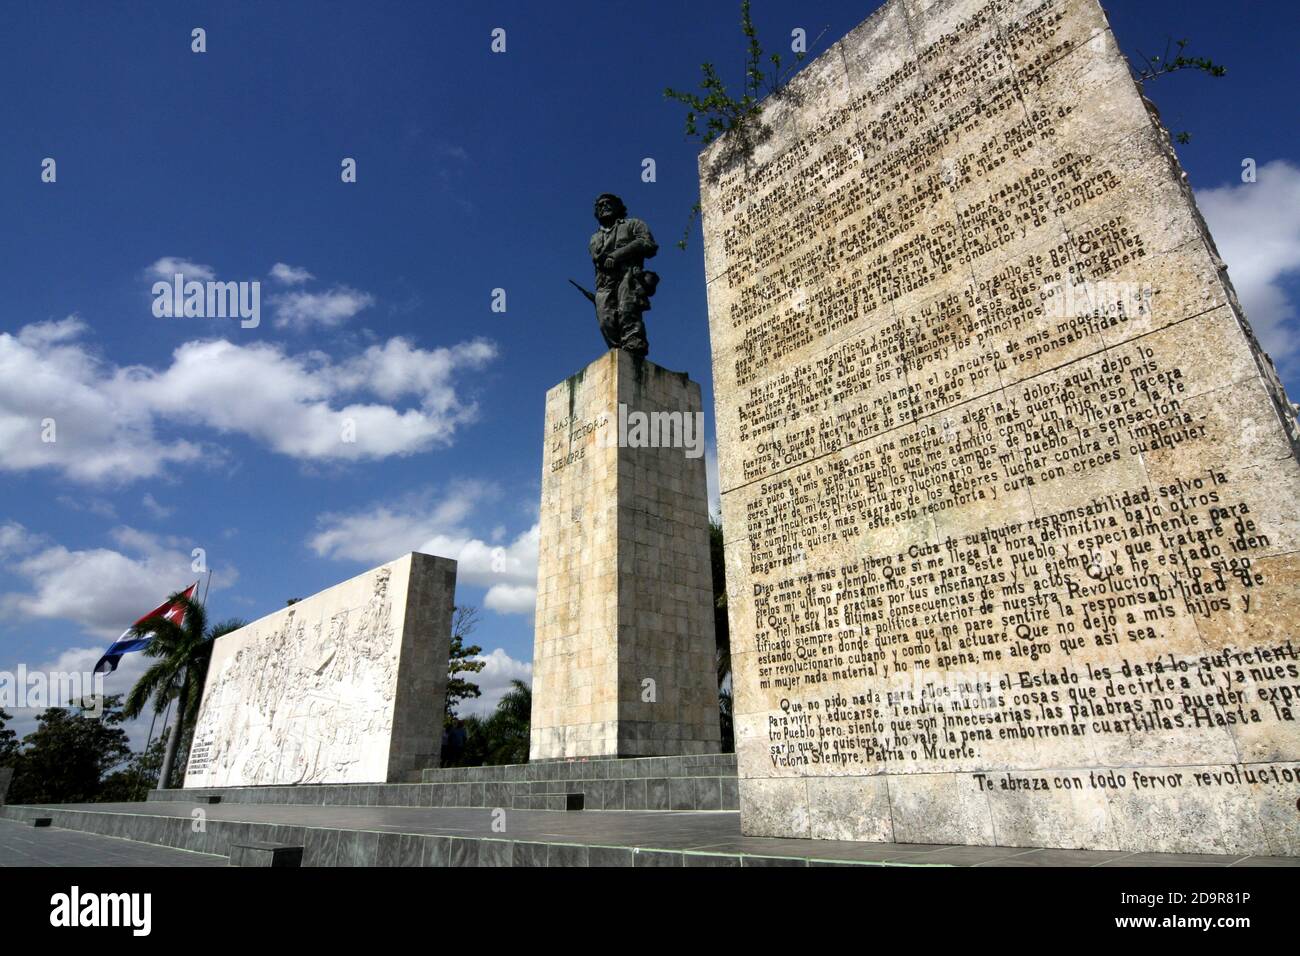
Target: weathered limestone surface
[[1010, 492], [624, 583], [346, 686]]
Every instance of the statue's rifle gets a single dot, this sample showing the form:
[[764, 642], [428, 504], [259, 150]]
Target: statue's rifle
[[591, 296]]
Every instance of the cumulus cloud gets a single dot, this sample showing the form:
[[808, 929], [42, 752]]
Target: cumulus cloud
[[302, 310], [511, 598], [15, 539], [290, 275], [62, 408], [44, 334], [494, 680], [104, 419], [438, 525], [168, 267], [81, 661], [103, 590], [1256, 227]]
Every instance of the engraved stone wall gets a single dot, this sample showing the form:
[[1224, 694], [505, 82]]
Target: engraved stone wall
[[346, 686], [1009, 489]]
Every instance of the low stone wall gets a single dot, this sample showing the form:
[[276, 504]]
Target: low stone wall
[[698, 787]]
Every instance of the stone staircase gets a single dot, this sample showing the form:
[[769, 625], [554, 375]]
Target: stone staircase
[[695, 782]]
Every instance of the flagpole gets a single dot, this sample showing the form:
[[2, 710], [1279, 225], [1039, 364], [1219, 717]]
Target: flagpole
[[139, 777], [162, 784], [173, 742]]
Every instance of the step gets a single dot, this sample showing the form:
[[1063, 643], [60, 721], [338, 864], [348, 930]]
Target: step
[[693, 790], [600, 768], [548, 801], [369, 836], [347, 846], [662, 793], [277, 855]]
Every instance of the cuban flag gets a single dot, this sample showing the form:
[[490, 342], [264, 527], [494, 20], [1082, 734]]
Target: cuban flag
[[173, 611]]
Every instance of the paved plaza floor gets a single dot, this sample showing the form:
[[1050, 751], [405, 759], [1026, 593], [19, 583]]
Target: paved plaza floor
[[25, 845], [688, 833]]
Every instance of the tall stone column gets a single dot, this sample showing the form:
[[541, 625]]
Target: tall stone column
[[623, 648]]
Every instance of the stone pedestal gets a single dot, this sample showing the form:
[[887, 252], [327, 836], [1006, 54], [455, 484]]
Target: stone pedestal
[[623, 652]]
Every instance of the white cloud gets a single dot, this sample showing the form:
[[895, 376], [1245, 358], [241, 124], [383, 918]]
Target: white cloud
[[94, 506], [494, 680], [301, 310], [511, 598], [15, 539], [290, 275], [104, 590], [44, 334], [438, 526], [159, 511], [81, 661], [168, 267], [105, 418], [386, 532], [1256, 227], [54, 388]]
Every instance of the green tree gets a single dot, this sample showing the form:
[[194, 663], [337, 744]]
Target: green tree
[[139, 776], [68, 755], [1173, 60], [502, 737], [724, 114], [182, 653], [463, 660], [8, 741], [721, 635]]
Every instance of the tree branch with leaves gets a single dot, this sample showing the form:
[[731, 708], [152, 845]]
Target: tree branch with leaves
[[464, 659], [1173, 60], [714, 112]]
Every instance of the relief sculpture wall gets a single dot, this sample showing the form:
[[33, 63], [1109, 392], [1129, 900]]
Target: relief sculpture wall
[[346, 686]]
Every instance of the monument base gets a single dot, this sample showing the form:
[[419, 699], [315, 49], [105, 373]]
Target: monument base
[[623, 660]]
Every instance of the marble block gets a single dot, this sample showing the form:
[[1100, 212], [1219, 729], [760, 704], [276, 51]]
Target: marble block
[[345, 686]]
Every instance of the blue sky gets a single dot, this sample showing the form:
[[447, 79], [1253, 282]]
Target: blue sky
[[475, 171]]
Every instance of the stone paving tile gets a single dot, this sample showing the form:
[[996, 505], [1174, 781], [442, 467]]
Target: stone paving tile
[[971, 856], [1058, 858], [25, 845], [1265, 861], [1176, 859]]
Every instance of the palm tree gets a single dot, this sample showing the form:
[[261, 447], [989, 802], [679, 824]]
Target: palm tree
[[182, 652], [502, 736], [507, 728]]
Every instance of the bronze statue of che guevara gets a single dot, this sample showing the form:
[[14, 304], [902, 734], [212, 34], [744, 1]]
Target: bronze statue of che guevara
[[619, 249]]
